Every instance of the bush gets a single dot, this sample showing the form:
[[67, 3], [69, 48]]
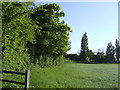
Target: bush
[[15, 60], [47, 61], [41, 61]]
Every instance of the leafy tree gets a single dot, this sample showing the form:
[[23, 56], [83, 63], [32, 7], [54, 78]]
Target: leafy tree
[[17, 30], [84, 48], [117, 50], [52, 38], [33, 32], [110, 52]]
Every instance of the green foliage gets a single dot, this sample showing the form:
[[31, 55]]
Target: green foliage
[[110, 52], [84, 49], [59, 60], [47, 61], [32, 35], [52, 38], [17, 29], [90, 55], [87, 56], [84, 43], [99, 58]]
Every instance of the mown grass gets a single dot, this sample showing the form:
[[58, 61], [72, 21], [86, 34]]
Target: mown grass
[[73, 75]]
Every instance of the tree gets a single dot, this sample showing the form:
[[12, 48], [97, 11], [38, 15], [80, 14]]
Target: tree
[[84, 48], [110, 52], [117, 50], [52, 38], [31, 31], [17, 31]]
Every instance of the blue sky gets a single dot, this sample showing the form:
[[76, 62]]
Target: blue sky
[[98, 19]]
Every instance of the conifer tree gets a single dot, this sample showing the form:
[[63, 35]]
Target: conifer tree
[[110, 52], [84, 48]]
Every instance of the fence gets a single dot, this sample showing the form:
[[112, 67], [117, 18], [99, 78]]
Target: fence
[[27, 76]]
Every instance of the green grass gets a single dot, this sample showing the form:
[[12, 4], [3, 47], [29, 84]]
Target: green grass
[[73, 75]]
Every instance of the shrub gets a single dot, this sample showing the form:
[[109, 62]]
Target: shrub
[[47, 61], [15, 60]]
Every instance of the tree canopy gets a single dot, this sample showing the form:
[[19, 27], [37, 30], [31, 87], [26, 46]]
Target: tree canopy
[[53, 36], [30, 31]]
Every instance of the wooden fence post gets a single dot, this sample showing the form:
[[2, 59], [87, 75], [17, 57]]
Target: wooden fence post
[[27, 76]]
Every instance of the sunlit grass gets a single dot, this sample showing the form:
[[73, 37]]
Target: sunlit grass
[[73, 75]]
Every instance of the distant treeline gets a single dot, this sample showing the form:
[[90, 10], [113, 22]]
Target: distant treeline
[[112, 54]]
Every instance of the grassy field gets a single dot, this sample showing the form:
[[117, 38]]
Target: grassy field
[[73, 75]]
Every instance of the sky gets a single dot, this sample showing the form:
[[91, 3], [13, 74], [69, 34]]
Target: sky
[[98, 19]]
